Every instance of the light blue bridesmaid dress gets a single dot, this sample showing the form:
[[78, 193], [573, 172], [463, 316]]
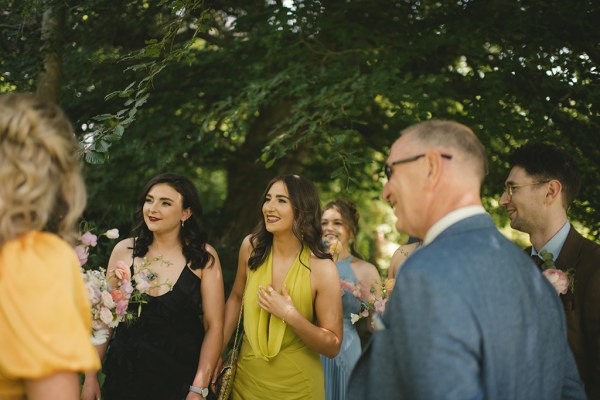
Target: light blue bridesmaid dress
[[337, 370]]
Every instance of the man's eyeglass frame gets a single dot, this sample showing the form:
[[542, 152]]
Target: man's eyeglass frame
[[509, 187], [388, 167]]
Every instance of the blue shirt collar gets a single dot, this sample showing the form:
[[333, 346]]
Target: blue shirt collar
[[554, 245]]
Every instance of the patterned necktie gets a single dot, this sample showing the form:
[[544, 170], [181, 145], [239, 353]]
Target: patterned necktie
[[537, 260]]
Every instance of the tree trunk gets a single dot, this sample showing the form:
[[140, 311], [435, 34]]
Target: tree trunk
[[247, 180], [53, 27]]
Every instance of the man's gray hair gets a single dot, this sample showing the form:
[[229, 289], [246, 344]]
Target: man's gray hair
[[452, 135]]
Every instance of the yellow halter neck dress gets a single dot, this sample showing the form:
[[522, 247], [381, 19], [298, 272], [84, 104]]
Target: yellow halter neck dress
[[274, 362]]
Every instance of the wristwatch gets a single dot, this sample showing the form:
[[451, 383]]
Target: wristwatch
[[201, 391]]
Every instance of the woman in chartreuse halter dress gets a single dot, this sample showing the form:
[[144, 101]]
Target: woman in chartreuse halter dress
[[291, 293]]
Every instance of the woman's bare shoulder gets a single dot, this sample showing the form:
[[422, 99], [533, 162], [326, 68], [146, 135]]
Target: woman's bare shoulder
[[124, 246], [364, 270], [321, 265]]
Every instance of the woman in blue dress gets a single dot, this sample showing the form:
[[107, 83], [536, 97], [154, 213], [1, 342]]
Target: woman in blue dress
[[340, 226]]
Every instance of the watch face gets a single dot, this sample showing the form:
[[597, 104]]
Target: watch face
[[204, 392]]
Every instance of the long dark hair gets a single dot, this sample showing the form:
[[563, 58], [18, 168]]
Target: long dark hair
[[304, 200], [350, 218], [192, 235]]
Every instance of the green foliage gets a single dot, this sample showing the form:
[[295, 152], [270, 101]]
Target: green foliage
[[232, 94]]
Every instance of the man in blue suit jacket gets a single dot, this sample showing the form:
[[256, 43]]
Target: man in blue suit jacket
[[470, 316]]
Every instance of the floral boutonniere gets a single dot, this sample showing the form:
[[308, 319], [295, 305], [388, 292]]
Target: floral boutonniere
[[563, 281]]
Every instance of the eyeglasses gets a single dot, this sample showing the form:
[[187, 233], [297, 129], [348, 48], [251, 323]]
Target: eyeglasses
[[510, 187], [388, 167]]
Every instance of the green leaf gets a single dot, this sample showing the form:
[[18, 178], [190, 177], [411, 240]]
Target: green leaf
[[103, 117], [93, 157]]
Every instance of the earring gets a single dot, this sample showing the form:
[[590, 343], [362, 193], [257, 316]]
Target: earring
[[182, 223]]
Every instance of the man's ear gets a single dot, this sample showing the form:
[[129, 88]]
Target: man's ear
[[434, 166], [554, 191]]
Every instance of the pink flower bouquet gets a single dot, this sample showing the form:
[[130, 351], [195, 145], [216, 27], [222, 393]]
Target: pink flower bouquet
[[109, 305], [377, 303]]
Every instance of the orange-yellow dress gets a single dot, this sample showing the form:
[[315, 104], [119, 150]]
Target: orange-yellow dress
[[45, 318], [274, 363]]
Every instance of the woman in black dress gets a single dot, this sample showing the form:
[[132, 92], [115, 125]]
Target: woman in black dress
[[169, 351]]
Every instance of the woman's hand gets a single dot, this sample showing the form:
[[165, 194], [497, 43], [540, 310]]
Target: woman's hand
[[215, 375], [279, 305], [91, 387]]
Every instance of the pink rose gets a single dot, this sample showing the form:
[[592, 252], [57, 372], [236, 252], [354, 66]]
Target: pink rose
[[117, 295], [93, 293], [122, 307], [122, 271], [127, 288], [558, 279], [107, 300], [89, 239], [380, 305], [82, 254], [106, 316]]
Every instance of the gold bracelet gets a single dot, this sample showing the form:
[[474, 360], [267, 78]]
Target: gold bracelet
[[286, 313]]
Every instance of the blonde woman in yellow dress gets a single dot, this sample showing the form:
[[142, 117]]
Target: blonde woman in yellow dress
[[291, 294], [45, 317]]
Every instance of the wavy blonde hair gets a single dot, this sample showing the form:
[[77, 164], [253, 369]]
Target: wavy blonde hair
[[41, 186]]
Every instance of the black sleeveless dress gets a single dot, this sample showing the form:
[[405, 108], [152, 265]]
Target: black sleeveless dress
[[156, 356]]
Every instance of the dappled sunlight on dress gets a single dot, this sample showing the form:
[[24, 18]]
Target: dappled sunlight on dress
[[274, 362]]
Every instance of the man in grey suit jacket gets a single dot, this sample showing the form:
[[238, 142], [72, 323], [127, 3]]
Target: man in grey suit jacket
[[470, 316], [543, 182]]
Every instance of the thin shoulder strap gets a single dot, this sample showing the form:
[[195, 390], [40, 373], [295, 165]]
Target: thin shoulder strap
[[237, 329]]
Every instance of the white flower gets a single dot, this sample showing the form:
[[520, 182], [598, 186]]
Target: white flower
[[354, 317], [112, 233], [99, 336]]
